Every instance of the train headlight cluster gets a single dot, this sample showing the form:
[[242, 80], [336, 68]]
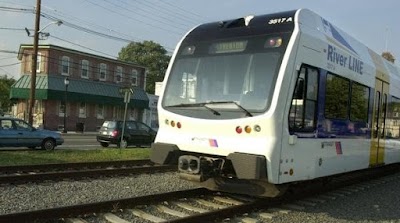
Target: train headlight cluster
[[248, 129], [173, 123]]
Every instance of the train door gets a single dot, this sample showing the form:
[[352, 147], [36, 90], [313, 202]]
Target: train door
[[377, 150]]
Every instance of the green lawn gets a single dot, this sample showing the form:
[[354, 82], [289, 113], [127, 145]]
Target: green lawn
[[8, 158]]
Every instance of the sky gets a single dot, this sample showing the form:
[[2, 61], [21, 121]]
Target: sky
[[103, 27]]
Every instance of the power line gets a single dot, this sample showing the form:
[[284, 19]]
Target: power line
[[88, 22], [182, 9], [135, 19], [149, 16], [13, 9], [58, 38], [13, 29], [90, 31], [8, 65], [6, 58], [77, 27], [166, 11]]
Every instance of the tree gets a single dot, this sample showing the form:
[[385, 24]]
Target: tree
[[388, 56], [5, 86], [149, 54]]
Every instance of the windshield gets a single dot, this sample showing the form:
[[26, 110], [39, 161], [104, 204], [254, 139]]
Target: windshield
[[245, 77]]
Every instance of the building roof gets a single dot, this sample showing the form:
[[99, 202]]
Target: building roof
[[51, 87], [22, 47]]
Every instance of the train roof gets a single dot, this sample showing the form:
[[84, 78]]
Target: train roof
[[306, 21], [346, 46]]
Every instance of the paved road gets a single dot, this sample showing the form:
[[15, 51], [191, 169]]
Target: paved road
[[85, 141], [79, 141], [72, 141]]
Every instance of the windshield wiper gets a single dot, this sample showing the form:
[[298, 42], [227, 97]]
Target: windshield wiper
[[215, 112], [232, 102]]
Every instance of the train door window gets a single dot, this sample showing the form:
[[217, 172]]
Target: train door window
[[359, 103], [383, 115], [302, 117], [336, 97], [377, 108]]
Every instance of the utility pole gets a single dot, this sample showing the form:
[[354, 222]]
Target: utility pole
[[34, 63]]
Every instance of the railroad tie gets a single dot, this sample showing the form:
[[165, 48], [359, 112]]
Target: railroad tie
[[210, 204], [249, 220], [266, 215], [190, 207], [114, 218], [227, 200], [147, 216], [75, 220], [280, 210], [169, 211]]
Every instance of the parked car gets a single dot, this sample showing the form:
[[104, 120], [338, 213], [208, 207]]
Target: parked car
[[135, 133], [15, 132]]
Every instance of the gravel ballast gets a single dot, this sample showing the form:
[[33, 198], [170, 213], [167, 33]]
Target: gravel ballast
[[378, 203], [35, 196]]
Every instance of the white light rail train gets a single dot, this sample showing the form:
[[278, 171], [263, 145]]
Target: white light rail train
[[255, 104]]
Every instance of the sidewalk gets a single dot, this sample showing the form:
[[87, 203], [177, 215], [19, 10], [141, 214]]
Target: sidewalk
[[71, 133]]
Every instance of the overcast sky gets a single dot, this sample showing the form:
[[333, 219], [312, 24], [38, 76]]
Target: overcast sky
[[105, 26]]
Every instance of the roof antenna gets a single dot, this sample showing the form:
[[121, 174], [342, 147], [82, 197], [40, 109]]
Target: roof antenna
[[247, 19]]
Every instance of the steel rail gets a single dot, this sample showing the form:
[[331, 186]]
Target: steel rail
[[76, 210], [44, 167]]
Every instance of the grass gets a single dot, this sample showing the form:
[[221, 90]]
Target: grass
[[9, 158]]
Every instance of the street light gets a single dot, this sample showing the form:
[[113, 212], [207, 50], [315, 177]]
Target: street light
[[66, 83], [43, 34], [36, 34]]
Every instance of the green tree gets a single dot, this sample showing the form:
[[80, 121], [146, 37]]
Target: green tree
[[149, 54], [5, 86]]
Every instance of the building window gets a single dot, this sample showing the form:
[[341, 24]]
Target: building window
[[61, 108], [100, 111], [103, 71], [85, 69], [132, 114], [38, 106], [117, 112], [65, 65], [39, 63], [134, 77], [118, 74], [82, 110]]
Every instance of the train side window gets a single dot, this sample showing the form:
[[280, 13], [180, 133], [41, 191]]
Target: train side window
[[336, 97], [393, 119], [359, 102], [302, 116]]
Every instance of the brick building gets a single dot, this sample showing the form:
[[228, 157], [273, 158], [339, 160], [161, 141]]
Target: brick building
[[92, 94]]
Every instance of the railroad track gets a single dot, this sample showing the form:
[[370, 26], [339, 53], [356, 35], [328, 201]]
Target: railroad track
[[37, 173], [201, 205]]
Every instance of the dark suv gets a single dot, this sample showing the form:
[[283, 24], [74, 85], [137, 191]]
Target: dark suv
[[135, 133]]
